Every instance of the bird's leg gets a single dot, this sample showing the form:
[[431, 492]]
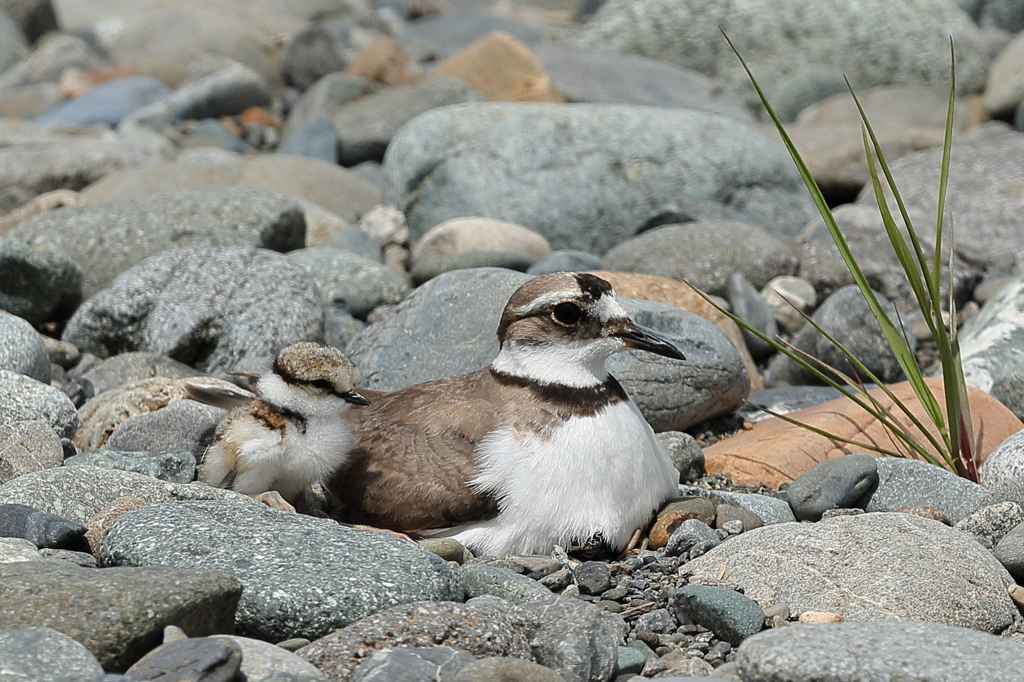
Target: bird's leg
[[373, 529], [273, 499], [634, 539]]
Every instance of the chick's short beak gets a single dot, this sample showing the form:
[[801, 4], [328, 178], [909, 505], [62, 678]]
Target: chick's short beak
[[644, 339], [355, 398]]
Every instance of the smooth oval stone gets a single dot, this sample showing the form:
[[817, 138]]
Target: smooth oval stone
[[833, 483], [412, 664], [351, 281], [727, 613], [176, 467], [39, 653], [37, 282], [430, 267], [106, 103], [691, 539], [903, 482], [1004, 463], [38, 527], [480, 579], [21, 349], [22, 398]]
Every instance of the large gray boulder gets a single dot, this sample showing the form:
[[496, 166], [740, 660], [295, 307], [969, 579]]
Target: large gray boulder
[[213, 308], [868, 567], [105, 239], [784, 41], [584, 176], [303, 576]]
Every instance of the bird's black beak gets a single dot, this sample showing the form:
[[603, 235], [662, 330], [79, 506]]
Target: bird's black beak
[[355, 398], [644, 339]]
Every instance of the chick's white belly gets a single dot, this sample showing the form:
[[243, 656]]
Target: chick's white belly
[[602, 474]]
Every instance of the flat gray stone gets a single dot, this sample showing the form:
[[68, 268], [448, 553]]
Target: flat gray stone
[[107, 103], [184, 427], [28, 446], [991, 350], [125, 368], [37, 283], [481, 579], [1004, 463], [41, 529], [412, 664], [782, 44], [868, 652], [21, 349], [727, 613], [263, 660], [41, 654], [770, 509], [78, 493], [118, 613], [191, 658], [832, 484], [351, 281], [536, 165], [908, 482], [706, 253], [303, 577], [214, 308], [868, 567], [107, 238], [22, 398], [174, 467], [14, 550], [990, 524], [479, 631]]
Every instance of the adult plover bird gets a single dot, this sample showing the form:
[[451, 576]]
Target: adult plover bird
[[288, 434], [541, 448]]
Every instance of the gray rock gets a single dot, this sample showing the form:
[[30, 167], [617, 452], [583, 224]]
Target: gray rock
[[658, 621], [21, 349], [442, 35], [781, 45], [706, 253], [50, 59], [83, 559], [34, 17], [66, 162], [565, 260], [23, 398], [481, 579], [126, 368], [631, 661], [211, 132], [494, 160], [262, 661], [107, 238], [771, 510], [903, 482], [351, 281], [864, 652], [1004, 463], [108, 103], [832, 484], [303, 576], [310, 55], [749, 306], [119, 613], [225, 92], [366, 126], [352, 238], [427, 268], [593, 577], [184, 428], [982, 194], [315, 139], [41, 655], [201, 658], [78, 493], [691, 539], [687, 456], [174, 467], [340, 327], [41, 529], [503, 669], [868, 567], [727, 613], [479, 631], [14, 550], [326, 96], [588, 75], [1010, 551], [13, 46], [990, 349], [1003, 14], [783, 400], [38, 283], [990, 524], [214, 308], [844, 315], [573, 638], [27, 446], [412, 664]]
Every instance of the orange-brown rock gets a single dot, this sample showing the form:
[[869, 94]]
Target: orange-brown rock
[[775, 451], [812, 617], [98, 524], [682, 295], [672, 516], [502, 69], [386, 60]]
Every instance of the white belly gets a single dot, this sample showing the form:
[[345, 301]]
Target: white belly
[[604, 474]]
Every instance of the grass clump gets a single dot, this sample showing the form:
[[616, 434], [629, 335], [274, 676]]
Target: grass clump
[[951, 433]]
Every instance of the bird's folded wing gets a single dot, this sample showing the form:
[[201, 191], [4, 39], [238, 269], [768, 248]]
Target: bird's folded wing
[[220, 394]]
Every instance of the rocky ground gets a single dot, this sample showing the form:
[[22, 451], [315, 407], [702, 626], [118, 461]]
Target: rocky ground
[[187, 187]]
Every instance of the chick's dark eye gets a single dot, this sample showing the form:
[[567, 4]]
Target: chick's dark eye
[[322, 383], [566, 313]]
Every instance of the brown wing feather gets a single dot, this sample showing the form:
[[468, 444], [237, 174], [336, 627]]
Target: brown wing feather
[[413, 457]]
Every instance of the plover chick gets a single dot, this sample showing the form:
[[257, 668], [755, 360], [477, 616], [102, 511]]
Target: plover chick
[[290, 433], [541, 448]]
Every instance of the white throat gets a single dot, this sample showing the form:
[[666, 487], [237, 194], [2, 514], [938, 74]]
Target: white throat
[[579, 364], [279, 393]]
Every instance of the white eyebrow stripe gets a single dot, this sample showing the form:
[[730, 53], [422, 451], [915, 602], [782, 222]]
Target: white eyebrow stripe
[[609, 308]]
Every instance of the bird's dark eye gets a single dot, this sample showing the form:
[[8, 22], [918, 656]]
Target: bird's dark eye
[[566, 313], [322, 383]]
